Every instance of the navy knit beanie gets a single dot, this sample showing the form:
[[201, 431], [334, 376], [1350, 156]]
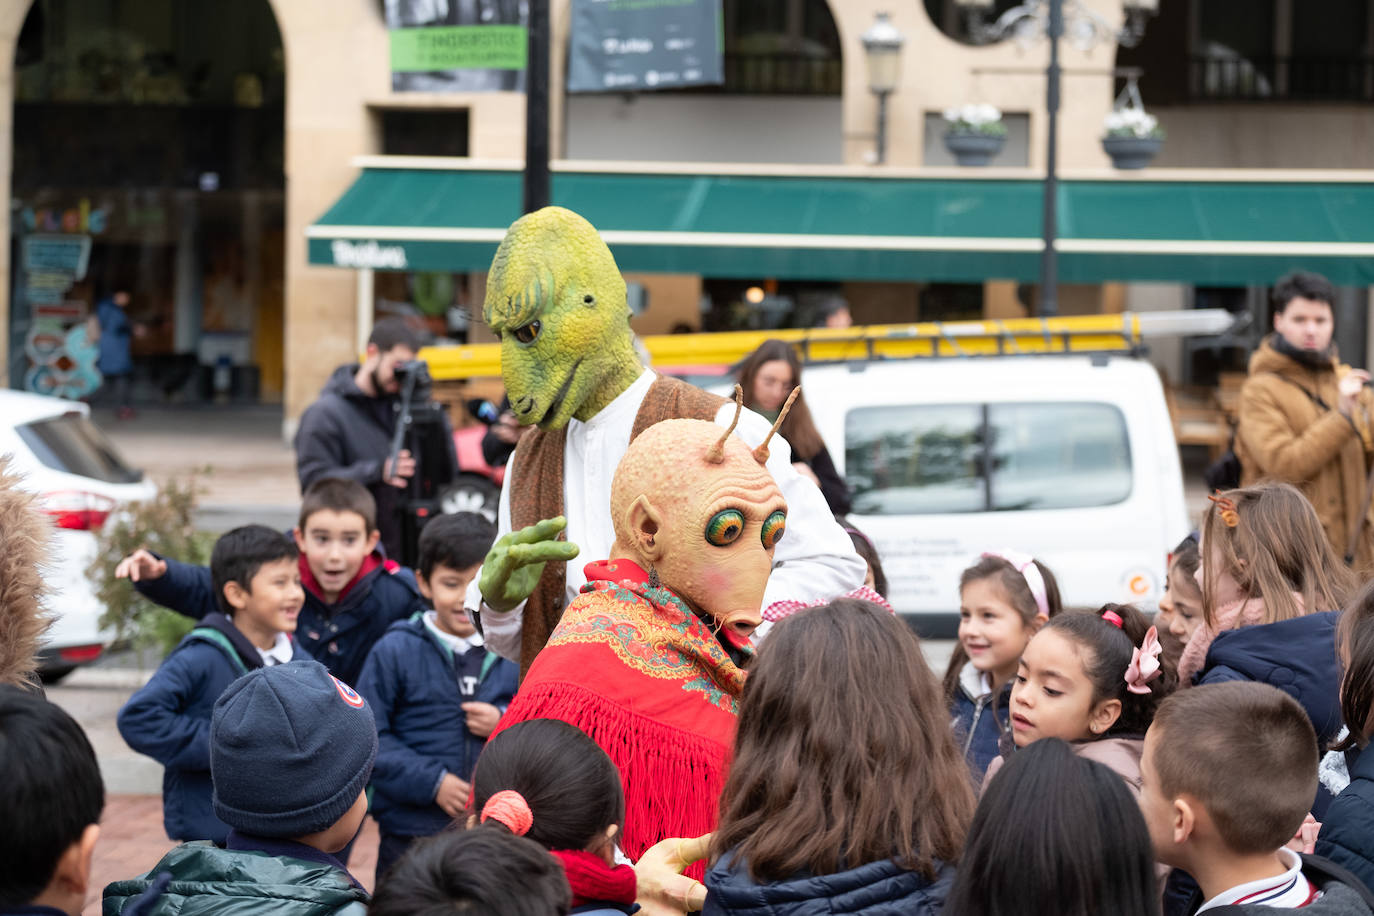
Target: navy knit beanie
[[291, 748]]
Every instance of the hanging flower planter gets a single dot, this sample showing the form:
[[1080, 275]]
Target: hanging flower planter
[[1133, 136], [974, 134]]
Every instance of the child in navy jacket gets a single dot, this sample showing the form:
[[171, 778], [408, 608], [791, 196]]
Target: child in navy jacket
[[424, 676], [352, 592], [254, 572]]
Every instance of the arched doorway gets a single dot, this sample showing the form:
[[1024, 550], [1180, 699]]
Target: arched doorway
[[781, 100], [148, 157]]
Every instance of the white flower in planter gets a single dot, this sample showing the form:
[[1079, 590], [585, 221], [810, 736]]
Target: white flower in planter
[[1134, 123], [975, 119]]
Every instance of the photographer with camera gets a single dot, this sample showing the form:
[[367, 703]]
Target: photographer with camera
[[348, 432]]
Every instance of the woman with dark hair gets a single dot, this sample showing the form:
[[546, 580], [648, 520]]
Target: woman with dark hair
[[1056, 835], [846, 783], [767, 377]]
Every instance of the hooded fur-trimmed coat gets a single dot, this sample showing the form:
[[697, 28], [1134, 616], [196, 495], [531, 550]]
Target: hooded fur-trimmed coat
[[1284, 434], [24, 544]]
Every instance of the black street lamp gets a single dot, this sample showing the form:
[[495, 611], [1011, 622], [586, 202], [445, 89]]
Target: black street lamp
[[1046, 18], [883, 51]]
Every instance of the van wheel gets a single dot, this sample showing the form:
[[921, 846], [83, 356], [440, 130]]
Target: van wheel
[[470, 493]]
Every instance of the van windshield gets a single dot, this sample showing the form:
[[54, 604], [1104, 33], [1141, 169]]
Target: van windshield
[[927, 459]]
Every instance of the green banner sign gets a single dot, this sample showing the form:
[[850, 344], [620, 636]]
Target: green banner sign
[[458, 47]]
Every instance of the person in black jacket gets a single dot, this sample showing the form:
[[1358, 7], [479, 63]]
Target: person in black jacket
[[347, 432], [768, 376]]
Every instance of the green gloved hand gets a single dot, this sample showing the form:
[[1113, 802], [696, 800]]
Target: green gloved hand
[[516, 561]]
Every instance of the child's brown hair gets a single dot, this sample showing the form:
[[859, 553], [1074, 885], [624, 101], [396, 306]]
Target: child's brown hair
[[336, 494], [1247, 752], [861, 770], [1270, 541]]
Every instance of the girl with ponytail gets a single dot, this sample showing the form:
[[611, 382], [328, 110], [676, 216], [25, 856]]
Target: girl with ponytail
[[545, 780], [1093, 679]]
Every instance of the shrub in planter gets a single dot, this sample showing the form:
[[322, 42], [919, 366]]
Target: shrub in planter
[[166, 526]]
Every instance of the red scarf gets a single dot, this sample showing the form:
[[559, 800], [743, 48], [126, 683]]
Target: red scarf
[[593, 881], [645, 678], [370, 562]]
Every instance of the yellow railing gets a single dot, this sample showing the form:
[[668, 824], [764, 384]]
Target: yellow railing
[[1075, 334]]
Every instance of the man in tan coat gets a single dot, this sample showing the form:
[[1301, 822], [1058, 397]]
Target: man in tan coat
[[1305, 417]]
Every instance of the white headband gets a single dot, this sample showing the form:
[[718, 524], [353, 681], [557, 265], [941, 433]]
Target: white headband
[[1024, 563]]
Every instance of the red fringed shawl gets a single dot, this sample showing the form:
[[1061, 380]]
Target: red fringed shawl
[[636, 670]]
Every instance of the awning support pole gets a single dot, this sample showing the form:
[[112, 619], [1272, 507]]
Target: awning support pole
[[364, 308]]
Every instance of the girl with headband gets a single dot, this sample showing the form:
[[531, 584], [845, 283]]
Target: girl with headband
[[1004, 599], [1094, 679]]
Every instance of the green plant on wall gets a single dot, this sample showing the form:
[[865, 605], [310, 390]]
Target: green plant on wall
[[166, 526]]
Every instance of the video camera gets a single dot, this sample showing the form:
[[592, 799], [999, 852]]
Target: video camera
[[421, 430]]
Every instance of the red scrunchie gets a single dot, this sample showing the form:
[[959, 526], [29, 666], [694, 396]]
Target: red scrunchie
[[509, 807]]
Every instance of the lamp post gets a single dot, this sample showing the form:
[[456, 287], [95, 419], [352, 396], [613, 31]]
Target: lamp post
[[536, 178], [1084, 28], [883, 52]]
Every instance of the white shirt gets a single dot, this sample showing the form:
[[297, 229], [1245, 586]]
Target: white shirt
[[456, 644], [280, 653], [1287, 891], [815, 560]]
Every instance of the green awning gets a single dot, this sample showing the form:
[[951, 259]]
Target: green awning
[[846, 227]]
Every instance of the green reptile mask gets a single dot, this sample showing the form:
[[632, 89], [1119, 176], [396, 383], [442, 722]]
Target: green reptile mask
[[556, 300]]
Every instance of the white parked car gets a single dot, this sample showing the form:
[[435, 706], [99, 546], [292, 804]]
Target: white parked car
[[1069, 458], [80, 480]]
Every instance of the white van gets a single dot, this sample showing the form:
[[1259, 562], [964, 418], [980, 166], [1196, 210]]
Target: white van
[[1069, 458]]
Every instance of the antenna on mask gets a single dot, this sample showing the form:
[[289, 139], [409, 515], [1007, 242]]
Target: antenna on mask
[[761, 453], [716, 453]]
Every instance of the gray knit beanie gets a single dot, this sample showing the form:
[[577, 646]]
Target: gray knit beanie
[[291, 748]]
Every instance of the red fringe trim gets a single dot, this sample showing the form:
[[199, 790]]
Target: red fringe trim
[[672, 779]]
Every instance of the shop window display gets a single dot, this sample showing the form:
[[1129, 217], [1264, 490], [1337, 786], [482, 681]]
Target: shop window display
[[148, 157]]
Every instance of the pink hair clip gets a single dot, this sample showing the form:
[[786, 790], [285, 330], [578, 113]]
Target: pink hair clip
[[1144, 665], [1113, 618]]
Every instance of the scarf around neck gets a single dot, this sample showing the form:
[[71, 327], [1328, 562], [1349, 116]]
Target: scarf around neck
[[1233, 616], [1312, 359], [593, 881], [636, 670]]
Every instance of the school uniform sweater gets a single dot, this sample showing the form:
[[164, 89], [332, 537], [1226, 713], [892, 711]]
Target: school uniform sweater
[[415, 685]]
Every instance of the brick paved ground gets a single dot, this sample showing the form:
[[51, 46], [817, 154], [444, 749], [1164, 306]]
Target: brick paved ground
[[131, 842]]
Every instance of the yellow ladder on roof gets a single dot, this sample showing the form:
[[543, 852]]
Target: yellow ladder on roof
[[1116, 333]]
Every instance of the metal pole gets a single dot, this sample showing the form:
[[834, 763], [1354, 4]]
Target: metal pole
[[882, 128], [1049, 258], [536, 185]]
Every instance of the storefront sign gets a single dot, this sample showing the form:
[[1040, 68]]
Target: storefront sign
[[368, 254], [458, 45], [631, 45]]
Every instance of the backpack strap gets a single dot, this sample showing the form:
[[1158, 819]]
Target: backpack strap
[[211, 635], [1321, 870]]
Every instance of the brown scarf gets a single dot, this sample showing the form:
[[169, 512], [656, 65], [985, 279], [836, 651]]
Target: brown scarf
[[536, 482]]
